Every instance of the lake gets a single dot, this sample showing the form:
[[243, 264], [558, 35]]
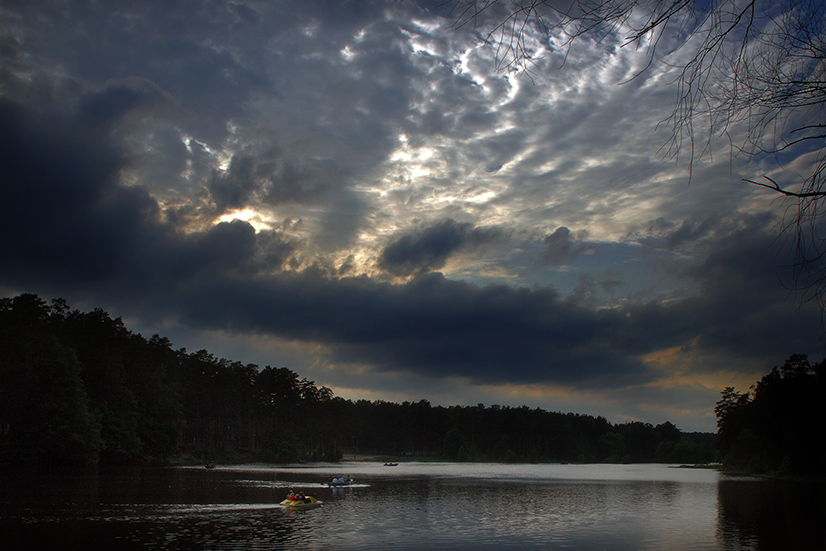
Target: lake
[[414, 506]]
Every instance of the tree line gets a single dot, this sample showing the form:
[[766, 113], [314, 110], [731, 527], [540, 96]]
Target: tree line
[[78, 389], [778, 427]]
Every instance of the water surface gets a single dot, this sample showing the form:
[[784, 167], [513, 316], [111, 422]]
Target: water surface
[[414, 506]]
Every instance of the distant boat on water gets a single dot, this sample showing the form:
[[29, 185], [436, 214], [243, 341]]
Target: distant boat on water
[[340, 482]]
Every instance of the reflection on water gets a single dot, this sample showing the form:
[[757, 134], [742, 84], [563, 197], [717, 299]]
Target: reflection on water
[[414, 506], [582, 515], [767, 514]]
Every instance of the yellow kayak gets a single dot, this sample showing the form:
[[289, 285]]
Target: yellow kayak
[[309, 502]]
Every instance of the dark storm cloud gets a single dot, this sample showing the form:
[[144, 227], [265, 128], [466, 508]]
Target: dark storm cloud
[[430, 248], [292, 181], [431, 326], [107, 107], [66, 218], [168, 44], [226, 247], [61, 206], [560, 246], [592, 289], [272, 177], [232, 187], [72, 227], [742, 306], [493, 334], [700, 230]]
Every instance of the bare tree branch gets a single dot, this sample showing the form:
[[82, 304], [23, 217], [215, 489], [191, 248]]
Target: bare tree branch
[[776, 187]]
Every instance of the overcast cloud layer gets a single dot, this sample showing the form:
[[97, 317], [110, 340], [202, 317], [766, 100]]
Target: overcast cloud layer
[[353, 191]]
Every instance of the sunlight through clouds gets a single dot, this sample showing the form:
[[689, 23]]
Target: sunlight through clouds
[[257, 220]]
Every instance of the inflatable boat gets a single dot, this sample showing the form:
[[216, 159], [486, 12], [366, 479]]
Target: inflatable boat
[[309, 502]]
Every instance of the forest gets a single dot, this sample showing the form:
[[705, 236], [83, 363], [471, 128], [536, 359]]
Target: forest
[[778, 427], [78, 390]]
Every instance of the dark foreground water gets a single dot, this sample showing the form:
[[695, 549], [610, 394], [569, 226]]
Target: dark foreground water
[[414, 506]]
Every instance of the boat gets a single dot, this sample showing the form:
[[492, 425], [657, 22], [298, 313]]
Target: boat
[[309, 502], [340, 482], [391, 464]]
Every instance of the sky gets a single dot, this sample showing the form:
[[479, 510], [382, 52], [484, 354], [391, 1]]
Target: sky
[[360, 192]]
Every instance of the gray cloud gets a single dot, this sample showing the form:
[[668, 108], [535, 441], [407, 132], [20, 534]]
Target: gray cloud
[[233, 187], [560, 246], [430, 248], [62, 206]]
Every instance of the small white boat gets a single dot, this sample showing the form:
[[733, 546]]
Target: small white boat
[[340, 482]]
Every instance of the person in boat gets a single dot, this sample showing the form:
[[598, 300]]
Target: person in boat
[[291, 496], [303, 498]]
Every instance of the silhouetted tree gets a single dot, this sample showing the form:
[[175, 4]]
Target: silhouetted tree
[[44, 409], [779, 427]]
